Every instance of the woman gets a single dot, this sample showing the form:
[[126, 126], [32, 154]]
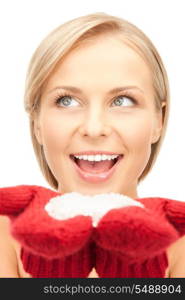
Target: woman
[[96, 89]]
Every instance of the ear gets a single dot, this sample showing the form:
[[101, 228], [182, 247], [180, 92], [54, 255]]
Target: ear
[[158, 125], [37, 131]]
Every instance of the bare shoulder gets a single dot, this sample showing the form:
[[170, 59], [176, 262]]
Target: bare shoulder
[[176, 258], [8, 259], [5, 235], [22, 272]]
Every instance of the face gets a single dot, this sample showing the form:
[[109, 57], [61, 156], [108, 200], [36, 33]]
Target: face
[[90, 117]]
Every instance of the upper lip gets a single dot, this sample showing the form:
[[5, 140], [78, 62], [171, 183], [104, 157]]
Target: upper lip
[[96, 152]]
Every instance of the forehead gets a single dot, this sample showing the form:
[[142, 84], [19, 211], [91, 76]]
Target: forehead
[[103, 61]]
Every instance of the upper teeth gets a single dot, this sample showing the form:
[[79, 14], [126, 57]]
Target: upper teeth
[[97, 157]]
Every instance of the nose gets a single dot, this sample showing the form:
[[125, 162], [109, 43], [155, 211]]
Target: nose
[[95, 124]]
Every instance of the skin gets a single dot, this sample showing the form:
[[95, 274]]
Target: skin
[[93, 119], [94, 122]]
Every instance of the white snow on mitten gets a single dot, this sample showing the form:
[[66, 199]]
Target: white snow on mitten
[[72, 204]]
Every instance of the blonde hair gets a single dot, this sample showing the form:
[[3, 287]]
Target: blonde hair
[[70, 35]]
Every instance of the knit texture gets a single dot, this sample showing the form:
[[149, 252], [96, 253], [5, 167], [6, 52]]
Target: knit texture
[[13, 200], [109, 265], [50, 247], [129, 241], [78, 265], [175, 212], [132, 242]]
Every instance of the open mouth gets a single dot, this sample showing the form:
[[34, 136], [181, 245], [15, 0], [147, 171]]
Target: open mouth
[[96, 167]]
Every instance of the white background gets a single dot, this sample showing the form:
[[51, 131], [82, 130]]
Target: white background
[[23, 24]]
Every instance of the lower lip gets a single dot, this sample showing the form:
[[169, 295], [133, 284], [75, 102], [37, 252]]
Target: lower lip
[[95, 178]]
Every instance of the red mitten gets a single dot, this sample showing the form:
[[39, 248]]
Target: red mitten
[[50, 247], [132, 240]]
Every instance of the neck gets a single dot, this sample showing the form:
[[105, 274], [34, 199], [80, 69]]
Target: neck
[[130, 191]]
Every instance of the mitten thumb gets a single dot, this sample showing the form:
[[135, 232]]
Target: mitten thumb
[[13, 200], [175, 212]]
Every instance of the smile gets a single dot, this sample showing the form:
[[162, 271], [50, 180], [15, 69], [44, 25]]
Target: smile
[[95, 171]]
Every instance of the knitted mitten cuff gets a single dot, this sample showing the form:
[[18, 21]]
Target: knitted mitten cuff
[[109, 265], [78, 265]]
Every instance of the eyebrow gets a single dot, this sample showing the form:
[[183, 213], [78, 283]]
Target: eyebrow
[[114, 90]]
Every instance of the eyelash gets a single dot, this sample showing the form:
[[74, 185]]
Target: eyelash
[[126, 94]]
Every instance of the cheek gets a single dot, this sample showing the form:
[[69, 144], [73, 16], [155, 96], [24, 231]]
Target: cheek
[[137, 137], [56, 133], [137, 130]]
